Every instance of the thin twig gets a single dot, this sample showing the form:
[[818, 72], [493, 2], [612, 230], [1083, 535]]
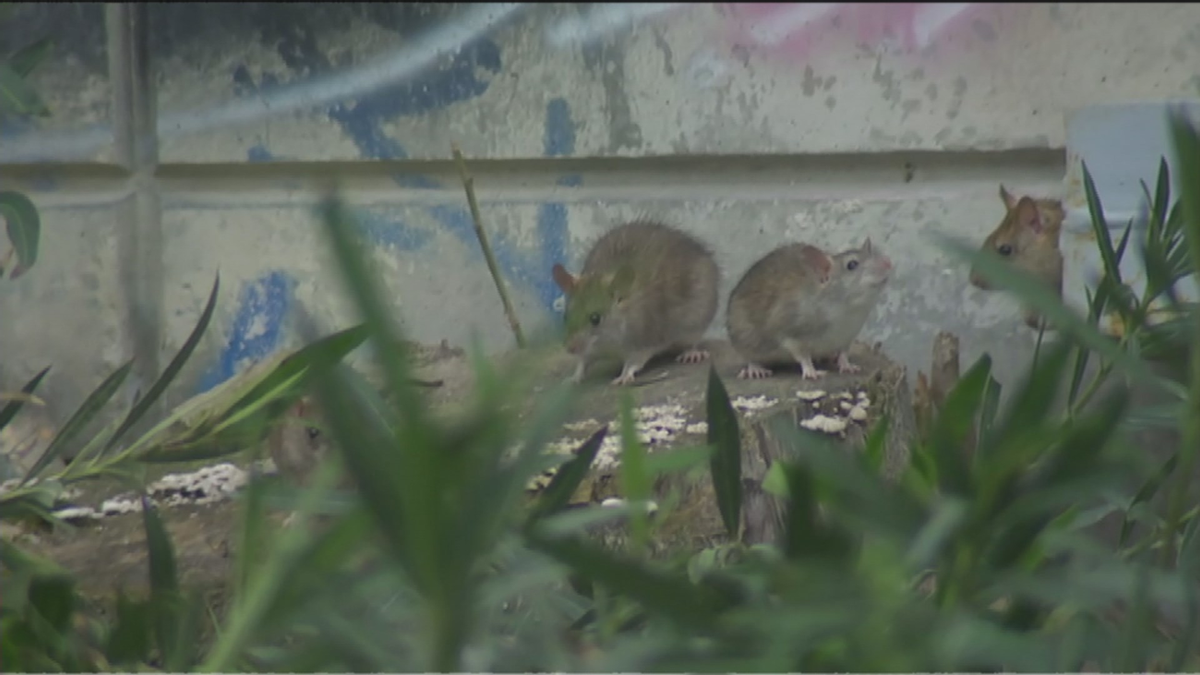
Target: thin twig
[[469, 185]]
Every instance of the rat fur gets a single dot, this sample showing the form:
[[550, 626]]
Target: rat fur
[[797, 303], [1028, 237], [645, 288]]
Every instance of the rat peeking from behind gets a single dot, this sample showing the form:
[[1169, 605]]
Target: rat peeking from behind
[[1028, 238], [645, 288], [798, 303]]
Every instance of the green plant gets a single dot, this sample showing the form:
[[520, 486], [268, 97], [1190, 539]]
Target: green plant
[[977, 562], [18, 97]]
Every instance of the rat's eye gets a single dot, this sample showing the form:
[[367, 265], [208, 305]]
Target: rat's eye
[[312, 432], [1005, 249], [852, 265], [594, 317]]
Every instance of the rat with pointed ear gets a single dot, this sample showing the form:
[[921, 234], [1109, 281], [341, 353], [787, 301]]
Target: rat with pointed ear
[[645, 288], [1028, 237], [798, 303]]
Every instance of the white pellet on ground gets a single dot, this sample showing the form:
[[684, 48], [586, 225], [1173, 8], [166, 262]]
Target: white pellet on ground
[[813, 395]]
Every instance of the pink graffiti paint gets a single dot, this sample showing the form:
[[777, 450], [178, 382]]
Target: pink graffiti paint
[[798, 31]]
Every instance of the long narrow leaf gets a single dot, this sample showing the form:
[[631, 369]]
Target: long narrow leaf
[[18, 96], [168, 375], [24, 226], [87, 411], [726, 462], [567, 479], [8, 412]]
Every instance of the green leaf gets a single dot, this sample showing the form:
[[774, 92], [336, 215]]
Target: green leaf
[[53, 598], [1108, 256], [86, 412], [805, 535], [9, 411], [554, 498], [953, 425], [726, 462], [18, 96], [661, 593], [129, 641], [1147, 492], [28, 57], [168, 375], [160, 553], [949, 513], [1186, 142], [24, 226], [876, 445], [635, 480]]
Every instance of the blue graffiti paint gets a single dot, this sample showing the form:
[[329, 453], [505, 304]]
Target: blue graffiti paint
[[559, 139], [430, 91], [391, 233], [570, 180], [257, 326], [259, 153], [416, 180]]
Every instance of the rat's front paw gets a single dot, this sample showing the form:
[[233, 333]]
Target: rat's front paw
[[693, 356], [624, 379], [753, 371], [844, 365]]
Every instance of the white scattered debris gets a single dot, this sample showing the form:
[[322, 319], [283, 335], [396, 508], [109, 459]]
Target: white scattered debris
[[829, 425], [846, 395], [858, 414], [614, 502], [698, 428], [207, 485], [78, 513], [811, 395], [748, 404], [846, 405]]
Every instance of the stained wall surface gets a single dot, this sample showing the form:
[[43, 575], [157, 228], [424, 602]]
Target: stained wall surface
[[193, 138]]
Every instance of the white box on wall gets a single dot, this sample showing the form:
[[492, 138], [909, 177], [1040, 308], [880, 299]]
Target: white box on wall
[[1122, 145]]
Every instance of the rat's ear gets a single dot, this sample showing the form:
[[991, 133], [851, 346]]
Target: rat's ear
[[1009, 201], [821, 263], [563, 278], [1028, 216], [866, 247]]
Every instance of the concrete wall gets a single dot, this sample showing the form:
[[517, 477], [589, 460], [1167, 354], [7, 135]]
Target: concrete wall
[[188, 139]]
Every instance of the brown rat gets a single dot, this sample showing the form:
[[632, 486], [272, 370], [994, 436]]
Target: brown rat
[[1028, 237], [296, 444], [645, 288], [798, 303]]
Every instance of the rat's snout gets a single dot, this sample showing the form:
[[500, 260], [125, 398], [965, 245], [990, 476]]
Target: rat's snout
[[978, 281], [885, 263], [576, 343]]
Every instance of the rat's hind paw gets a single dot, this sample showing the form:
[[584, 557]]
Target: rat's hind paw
[[752, 371], [693, 356]]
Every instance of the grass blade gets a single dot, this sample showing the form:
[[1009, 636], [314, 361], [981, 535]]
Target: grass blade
[[8, 412], [554, 498], [168, 375], [635, 481], [953, 425], [1108, 256], [18, 96], [83, 415], [726, 462]]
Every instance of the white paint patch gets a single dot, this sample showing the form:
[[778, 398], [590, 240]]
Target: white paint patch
[[931, 18], [601, 20]]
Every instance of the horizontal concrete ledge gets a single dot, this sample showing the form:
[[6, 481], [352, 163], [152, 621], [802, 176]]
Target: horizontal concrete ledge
[[890, 176]]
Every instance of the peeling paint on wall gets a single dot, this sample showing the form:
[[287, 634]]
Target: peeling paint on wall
[[257, 326]]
